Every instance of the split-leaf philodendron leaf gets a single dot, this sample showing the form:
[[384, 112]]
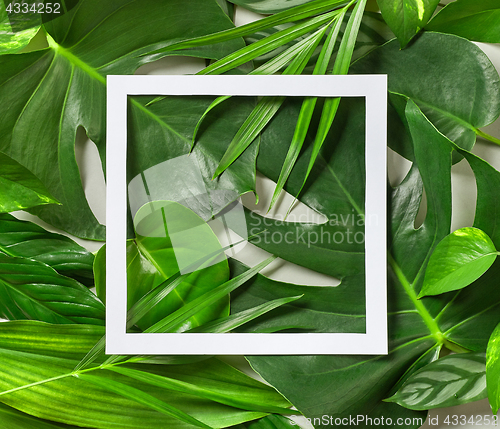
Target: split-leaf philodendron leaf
[[87, 44]]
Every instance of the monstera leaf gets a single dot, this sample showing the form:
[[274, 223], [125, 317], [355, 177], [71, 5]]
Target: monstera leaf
[[418, 329], [49, 93]]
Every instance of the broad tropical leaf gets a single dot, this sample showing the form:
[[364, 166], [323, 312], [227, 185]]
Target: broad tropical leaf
[[458, 260], [19, 188], [28, 240], [407, 17], [449, 78], [80, 403], [86, 44], [453, 380], [477, 21]]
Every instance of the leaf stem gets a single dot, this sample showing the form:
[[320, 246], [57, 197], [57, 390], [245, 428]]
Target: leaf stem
[[422, 311], [487, 137]]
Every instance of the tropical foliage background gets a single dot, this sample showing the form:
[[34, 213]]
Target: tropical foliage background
[[443, 282]]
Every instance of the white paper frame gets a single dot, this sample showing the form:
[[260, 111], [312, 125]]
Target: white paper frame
[[373, 342]]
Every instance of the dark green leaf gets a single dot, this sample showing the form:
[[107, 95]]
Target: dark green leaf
[[32, 290], [449, 78], [493, 370], [270, 422], [19, 188], [28, 240], [86, 44], [458, 260], [407, 17], [475, 20], [453, 380]]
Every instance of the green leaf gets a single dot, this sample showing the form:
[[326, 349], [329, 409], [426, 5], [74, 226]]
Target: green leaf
[[477, 21], [453, 380], [458, 260], [267, 44], [407, 17], [227, 324], [418, 329], [26, 27], [13, 419], [19, 188], [86, 44], [270, 6], [168, 323], [32, 290], [268, 106], [35, 350], [493, 370], [218, 392], [294, 14], [142, 398], [270, 422], [451, 80], [28, 240]]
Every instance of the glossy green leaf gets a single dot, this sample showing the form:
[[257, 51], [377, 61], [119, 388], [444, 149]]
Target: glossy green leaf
[[449, 78], [10, 418], [32, 290], [270, 422], [217, 393], [458, 260], [475, 20], [493, 370], [25, 28], [407, 17], [35, 350], [142, 398], [227, 324], [28, 240], [178, 317], [453, 380], [86, 44], [19, 188]]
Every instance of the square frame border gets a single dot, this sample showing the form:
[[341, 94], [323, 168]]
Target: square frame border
[[374, 342]]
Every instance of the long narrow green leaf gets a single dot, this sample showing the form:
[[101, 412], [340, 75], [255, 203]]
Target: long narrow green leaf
[[341, 66], [266, 45], [93, 354], [306, 112], [234, 321], [297, 51], [142, 398], [292, 15], [254, 403], [206, 299], [266, 108]]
